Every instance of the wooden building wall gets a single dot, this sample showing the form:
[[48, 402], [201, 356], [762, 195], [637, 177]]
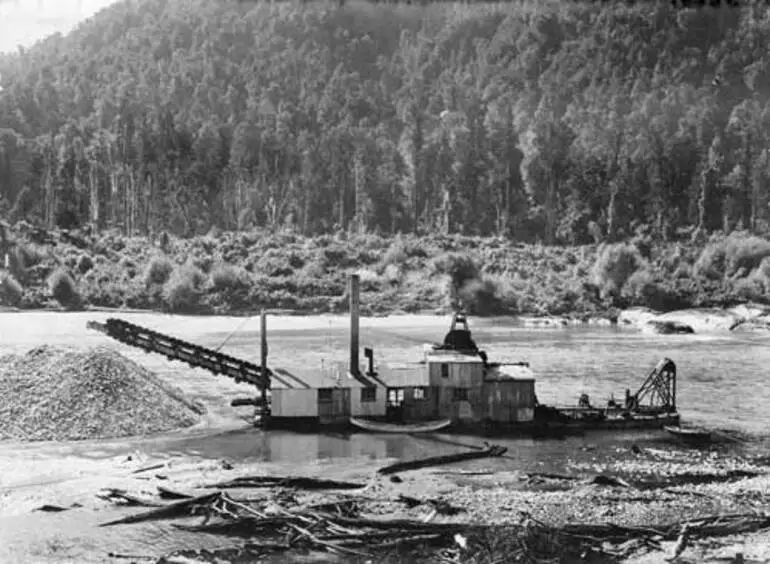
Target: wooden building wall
[[452, 374], [509, 400], [290, 402], [466, 404], [504, 400], [336, 408], [420, 409], [361, 408]]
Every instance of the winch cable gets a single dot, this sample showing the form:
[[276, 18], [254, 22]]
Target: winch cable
[[241, 326]]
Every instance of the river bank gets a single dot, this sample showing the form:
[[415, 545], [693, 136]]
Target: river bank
[[50, 510], [242, 272]]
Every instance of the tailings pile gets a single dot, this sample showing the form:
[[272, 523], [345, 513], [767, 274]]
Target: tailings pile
[[54, 393]]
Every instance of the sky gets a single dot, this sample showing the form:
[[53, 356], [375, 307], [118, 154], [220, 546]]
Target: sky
[[23, 22]]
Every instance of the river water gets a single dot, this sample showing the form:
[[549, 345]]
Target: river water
[[721, 377], [721, 383]]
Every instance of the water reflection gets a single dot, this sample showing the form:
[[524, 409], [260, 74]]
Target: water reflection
[[524, 454]]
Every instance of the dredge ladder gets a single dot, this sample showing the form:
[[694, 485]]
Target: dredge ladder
[[177, 349]]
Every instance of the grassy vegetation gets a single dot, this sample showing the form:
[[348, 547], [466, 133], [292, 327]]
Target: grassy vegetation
[[245, 271]]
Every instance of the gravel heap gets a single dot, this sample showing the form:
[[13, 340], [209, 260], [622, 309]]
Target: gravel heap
[[54, 393]]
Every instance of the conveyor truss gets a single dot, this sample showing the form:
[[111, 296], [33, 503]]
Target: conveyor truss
[[196, 356]]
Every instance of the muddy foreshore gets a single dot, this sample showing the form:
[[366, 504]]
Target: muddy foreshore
[[643, 489]]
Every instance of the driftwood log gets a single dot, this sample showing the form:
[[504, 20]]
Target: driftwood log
[[491, 451], [298, 482], [169, 511]]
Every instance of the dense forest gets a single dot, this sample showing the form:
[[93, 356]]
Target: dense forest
[[553, 122]]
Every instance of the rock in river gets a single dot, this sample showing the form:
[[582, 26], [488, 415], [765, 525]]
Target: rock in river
[[667, 327]]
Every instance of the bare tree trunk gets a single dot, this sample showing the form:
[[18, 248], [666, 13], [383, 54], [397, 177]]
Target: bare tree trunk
[[115, 200], [93, 194], [550, 212]]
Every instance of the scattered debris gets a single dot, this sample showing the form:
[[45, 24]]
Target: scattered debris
[[320, 528], [442, 507]]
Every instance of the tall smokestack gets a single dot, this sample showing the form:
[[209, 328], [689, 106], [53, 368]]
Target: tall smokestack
[[354, 302]]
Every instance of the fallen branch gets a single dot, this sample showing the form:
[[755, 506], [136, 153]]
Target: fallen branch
[[492, 451], [48, 508], [604, 480], [116, 495], [166, 512], [129, 556], [694, 478], [244, 526], [299, 482], [548, 476], [167, 493], [467, 472], [334, 547], [406, 525], [346, 507], [245, 508], [148, 468]]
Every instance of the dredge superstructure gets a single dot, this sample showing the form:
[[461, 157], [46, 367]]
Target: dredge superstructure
[[454, 387]]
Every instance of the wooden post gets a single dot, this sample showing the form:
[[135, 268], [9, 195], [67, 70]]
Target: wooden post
[[263, 354], [672, 376], [354, 328]]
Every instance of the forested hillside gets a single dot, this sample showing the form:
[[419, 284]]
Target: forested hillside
[[555, 122]]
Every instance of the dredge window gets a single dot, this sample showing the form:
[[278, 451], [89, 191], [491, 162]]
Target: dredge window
[[368, 395], [395, 396], [325, 394], [460, 394]]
